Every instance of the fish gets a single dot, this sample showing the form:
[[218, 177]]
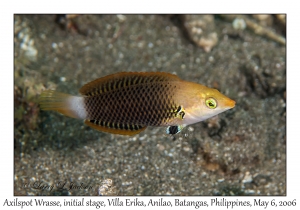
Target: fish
[[126, 103]]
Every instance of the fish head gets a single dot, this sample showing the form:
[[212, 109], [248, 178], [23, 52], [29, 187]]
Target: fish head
[[207, 103]]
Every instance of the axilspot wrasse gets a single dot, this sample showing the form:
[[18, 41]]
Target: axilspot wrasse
[[126, 103]]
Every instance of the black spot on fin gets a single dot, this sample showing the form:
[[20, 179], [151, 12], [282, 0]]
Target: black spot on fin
[[174, 129]]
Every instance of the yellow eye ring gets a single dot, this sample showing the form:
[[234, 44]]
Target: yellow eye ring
[[211, 103]]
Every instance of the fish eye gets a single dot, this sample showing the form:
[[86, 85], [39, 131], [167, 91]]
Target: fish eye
[[211, 103]]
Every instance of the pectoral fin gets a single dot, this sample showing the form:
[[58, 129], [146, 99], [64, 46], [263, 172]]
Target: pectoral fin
[[174, 129]]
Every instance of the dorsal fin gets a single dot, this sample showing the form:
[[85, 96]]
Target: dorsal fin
[[123, 79]]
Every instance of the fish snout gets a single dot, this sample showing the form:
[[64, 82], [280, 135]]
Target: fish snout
[[229, 103]]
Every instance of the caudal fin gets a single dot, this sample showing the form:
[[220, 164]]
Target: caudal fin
[[71, 106]]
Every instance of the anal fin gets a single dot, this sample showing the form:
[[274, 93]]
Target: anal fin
[[114, 130]]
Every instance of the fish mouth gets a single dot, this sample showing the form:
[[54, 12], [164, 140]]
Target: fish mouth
[[230, 103]]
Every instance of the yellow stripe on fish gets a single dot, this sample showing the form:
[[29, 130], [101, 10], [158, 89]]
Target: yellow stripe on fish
[[126, 103]]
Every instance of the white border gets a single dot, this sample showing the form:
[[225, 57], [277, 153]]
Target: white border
[[154, 6]]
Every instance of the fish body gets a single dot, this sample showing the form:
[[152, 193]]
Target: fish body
[[126, 103]]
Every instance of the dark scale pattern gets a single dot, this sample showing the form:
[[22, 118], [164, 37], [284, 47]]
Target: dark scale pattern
[[120, 80], [122, 126], [137, 104]]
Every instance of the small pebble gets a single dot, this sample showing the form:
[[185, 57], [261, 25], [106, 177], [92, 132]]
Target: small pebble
[[247, 177], [150, 45], [121, 18], [54, 45], [239, 24]]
